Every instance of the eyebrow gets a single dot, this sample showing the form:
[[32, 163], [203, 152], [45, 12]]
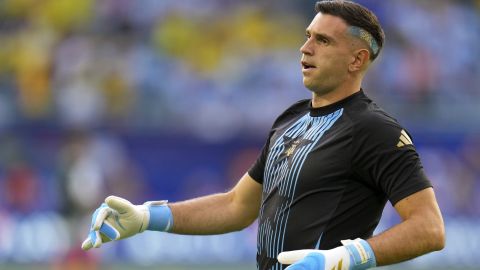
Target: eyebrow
[[320, 35]]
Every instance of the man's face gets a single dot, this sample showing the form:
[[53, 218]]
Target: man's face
[[326, 54]]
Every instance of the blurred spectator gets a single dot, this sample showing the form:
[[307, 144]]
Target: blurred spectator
[[92, 167], [19, 181], [20, 189]]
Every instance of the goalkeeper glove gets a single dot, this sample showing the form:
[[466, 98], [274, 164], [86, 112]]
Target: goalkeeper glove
[[117, 219], [353, 255]]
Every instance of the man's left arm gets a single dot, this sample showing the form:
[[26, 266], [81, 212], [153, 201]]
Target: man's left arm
[[396, 170], [421, 230]]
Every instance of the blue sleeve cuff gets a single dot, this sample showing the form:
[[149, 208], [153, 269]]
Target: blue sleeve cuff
[[161, 218], [361, 255]]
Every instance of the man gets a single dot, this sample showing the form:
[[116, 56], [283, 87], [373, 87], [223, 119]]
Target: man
[[327, 169]]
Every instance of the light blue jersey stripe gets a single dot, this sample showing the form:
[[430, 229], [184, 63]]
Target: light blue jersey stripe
[[273, 174], [317, 246], [284, 174], [321, 125]]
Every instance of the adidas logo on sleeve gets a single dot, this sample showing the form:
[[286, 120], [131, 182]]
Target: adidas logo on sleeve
[[404, 139]]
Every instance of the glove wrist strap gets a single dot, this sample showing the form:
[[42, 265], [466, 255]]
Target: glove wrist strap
[[161, 218], [361, 254]]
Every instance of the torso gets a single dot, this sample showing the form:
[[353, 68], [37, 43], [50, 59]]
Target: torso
[[312, 195]]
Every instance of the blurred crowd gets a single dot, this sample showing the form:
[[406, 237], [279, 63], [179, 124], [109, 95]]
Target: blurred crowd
[[172, 99], [141, 65]]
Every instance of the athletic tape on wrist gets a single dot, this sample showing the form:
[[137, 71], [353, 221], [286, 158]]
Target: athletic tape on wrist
[[161, 218], [361, 254]]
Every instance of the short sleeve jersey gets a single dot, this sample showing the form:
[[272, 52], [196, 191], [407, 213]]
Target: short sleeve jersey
[[327, 173]]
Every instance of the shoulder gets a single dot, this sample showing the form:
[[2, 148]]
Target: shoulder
[[372, 116], [293, 111], [371, 122]]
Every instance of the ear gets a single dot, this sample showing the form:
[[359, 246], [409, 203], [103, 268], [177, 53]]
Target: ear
[[361, 58]]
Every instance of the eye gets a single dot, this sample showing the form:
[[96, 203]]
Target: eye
[[322, 40]]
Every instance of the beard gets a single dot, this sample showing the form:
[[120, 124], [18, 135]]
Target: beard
[[318, 88]]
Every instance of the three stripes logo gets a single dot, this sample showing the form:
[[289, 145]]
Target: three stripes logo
[[404, 139]]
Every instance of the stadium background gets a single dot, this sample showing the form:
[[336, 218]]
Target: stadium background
[[164, 99]]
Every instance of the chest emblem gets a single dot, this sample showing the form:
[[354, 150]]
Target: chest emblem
[[292, 145], [291, 149]]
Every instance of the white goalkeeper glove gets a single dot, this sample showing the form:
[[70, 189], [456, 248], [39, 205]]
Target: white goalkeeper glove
[[353, 255], [117, 219]]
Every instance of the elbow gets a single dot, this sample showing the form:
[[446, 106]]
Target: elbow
[[244, 224], [247, 221], [436, 237], [241, 216]]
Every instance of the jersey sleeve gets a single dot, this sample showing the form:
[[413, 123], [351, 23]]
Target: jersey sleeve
[[256, 171], [385, 158]]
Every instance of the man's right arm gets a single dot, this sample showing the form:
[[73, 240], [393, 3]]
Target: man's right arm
[[219, 213]]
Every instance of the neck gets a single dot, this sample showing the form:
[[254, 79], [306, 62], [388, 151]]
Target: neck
[[339, 93]]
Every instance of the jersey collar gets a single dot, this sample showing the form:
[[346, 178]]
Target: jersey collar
[[321, 111]]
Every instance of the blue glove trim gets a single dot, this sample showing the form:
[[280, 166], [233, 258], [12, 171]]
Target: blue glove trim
[[361, 257], [95, 214], [311, 261], [161, 218], [109, 231], [93, 237], [91, 233]]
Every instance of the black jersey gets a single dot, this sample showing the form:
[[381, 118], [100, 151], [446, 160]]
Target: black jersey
[[327, 174]]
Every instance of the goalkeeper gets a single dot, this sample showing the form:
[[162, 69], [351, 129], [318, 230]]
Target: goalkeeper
[[326, 171]]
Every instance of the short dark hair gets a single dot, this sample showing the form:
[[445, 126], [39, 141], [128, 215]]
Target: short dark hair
[[355, 15]]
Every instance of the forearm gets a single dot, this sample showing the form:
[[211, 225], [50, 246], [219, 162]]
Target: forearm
[[204, 215], [219, 213], [213, 214]]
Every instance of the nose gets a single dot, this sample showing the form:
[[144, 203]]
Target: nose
[[306, 47]]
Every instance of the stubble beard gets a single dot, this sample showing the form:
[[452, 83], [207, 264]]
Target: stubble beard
[[318, 90]]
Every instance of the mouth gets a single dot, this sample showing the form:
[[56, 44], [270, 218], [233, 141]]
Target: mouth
[[307, 66]]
